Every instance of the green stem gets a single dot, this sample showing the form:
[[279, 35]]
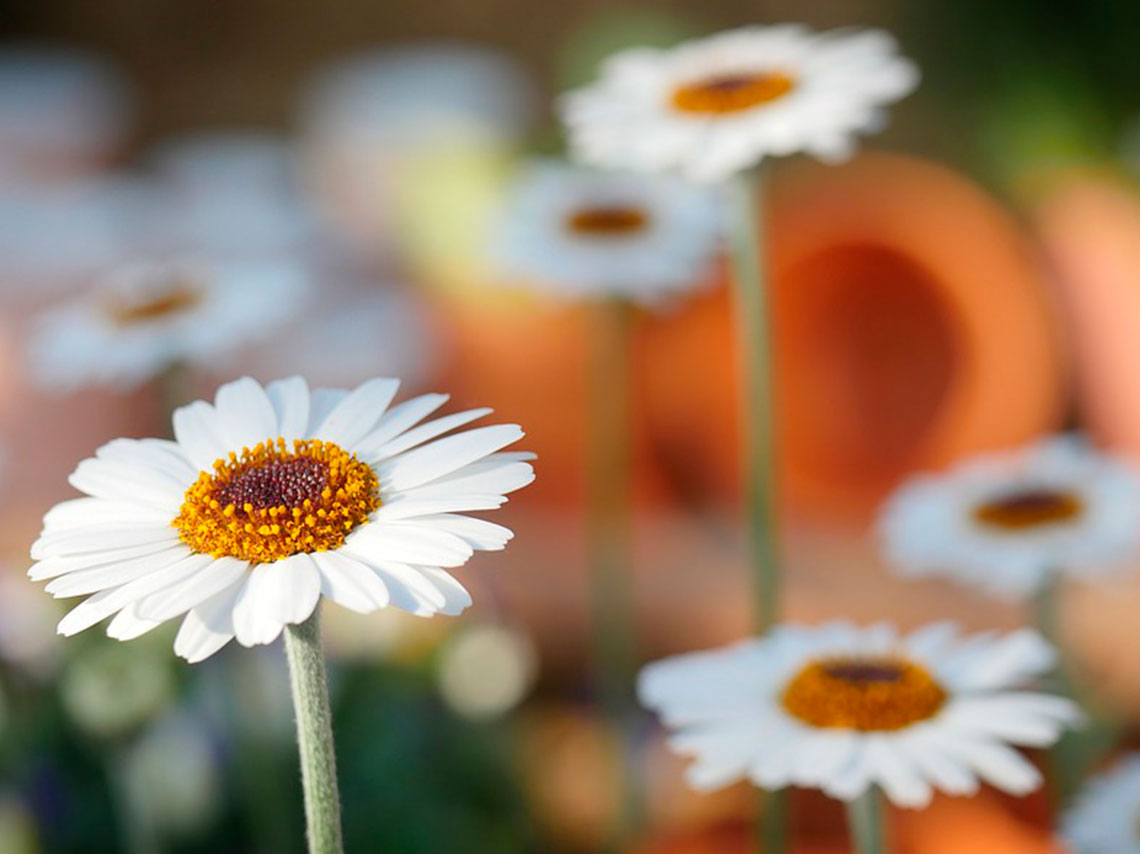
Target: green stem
[[772, 830], [614, 647], [1065, 757], [314, 735], [752, 311], [865, 820]]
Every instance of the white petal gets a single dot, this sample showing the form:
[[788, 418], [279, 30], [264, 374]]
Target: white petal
[[358, 413], [398, 419], [425, 432], [179, 598], [456, 598], [207, 628], [245, 414], [407, 542], [134, 484], [350, 583], [285, 591], [78, 541], [114, 573], [199, 434], [290, 399], [128, 625], [444, 456]]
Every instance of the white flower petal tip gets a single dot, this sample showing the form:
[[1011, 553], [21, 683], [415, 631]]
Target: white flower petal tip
[[1102, 818], [716, 106], [841, 708], [1012, 523], [574, 232], [271, 499]]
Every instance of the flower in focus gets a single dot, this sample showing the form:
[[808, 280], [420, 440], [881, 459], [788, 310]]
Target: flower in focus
[[271, 498], [1106, 816], [146, 317], [842, 708], [581, 232], [718, 105], [1009, 522]]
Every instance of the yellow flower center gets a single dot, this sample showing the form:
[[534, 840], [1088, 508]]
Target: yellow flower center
[[607, 221], [179, 297], [272, 502], [732, 93], [1029, 508], [865, 694]]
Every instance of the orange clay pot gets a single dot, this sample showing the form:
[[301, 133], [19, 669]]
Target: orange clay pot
[[912, 328], [1090, 227]]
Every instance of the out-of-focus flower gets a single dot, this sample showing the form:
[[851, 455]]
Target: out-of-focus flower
[[271, 498], [1104, 818], [62, 111], [27, 625], [110, 691], [582, 233], [392, 331], [485, 671], [1010, 522], [894, 353], [172, 777], [718, 105], [147, 316], [231, 194], [17, 827], [409, 144], [840, 708]]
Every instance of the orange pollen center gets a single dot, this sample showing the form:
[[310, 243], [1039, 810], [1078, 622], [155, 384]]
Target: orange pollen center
[[864, 694], [608, 221], [179, 297], [1029, 508], [732, 93], [271, 502]]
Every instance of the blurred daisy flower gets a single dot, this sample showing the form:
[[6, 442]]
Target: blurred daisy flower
[[271, 498], [715, 106], [842, 708], [1104, 818], [1010, 522], [585, 233], [147, 316]]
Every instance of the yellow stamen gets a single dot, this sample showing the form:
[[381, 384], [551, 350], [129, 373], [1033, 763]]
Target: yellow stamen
[[732, 93], [1030, 508], [607, 221]]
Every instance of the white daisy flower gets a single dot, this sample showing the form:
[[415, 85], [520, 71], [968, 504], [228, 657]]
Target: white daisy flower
[[582, 233], [1009, 522], [842, 708], [145, 317], [271, 498], [715, 106], [1106, 816]]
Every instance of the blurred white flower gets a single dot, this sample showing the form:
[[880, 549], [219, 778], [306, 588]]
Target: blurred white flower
[[843, 708], [715, 106], [110, 691], [28, 638], [145, 317], [585, 233], [62, 111], [231, 194], [486, 670], [172, 777], [1105, 819], [1009, 522]]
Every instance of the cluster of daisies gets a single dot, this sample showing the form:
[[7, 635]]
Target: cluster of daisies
[[275, 497]]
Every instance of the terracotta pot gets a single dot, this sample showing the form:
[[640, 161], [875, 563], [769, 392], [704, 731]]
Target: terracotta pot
[[912, 328]]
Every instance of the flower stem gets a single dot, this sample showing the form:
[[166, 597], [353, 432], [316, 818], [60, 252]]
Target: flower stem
[[314, 735], [752, 311], [865, 820], [610, 542], [1065, 759]]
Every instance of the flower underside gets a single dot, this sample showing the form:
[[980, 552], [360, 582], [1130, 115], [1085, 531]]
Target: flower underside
[[732, 93], [1029, 508], [179, 297], [607, 221], [271, 502], [864, 694]]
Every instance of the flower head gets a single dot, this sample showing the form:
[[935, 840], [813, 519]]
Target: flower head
[[1106, 816], [718, 105], [145, 317], [1008, 522], [842, 708], [271, 498], [580, 232]]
